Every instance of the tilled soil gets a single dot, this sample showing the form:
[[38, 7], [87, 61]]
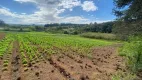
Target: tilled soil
[[104, 62], [16, 62], [2, 35]]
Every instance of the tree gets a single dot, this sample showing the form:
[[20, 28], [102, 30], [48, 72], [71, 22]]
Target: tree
[[128, 10], [21, 29], [66, 32], [129, 21], [39, 28]]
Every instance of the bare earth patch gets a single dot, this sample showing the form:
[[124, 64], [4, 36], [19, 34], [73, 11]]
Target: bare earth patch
[[2, 35]]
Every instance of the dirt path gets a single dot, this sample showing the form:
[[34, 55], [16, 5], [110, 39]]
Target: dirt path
[[16, 63]]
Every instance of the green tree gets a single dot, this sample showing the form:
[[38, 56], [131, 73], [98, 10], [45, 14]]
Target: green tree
[[128, 10], [39, 28], [66, 32], [129, 21], [21, 29]]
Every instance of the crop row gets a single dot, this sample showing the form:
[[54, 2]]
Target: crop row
[[4, 44], [80, 45]]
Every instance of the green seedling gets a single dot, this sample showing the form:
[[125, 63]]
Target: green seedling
[[24, 61], [25, 69], [5, 69], [5, 61], [25, 65]]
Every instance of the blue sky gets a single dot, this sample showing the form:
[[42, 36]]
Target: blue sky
[[56, 11]]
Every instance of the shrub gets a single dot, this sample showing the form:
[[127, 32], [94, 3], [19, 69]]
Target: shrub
[[75, 33], [66, 32], [106, 36], [7, 29]]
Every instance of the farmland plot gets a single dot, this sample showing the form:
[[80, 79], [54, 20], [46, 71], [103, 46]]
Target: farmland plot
[[42, 56]]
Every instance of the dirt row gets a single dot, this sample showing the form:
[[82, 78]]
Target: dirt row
[[103, 63]]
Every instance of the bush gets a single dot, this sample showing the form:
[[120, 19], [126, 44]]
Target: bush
[[75, 33], [66, 32], [6, 29], [21, 29], [106, 36]]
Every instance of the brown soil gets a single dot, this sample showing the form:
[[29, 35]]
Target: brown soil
[[2, 35], [102, 64], [16, 62], [139, 74]]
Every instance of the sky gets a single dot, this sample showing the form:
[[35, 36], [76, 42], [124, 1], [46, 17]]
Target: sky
[[56, 11]]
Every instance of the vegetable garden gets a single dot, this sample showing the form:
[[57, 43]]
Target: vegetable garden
[[43, 56]]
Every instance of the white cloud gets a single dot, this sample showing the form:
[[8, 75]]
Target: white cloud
[[48, 11], [22, 1], [89, 6], [23, 13], [6, 12], [40, 17], [69, 4]]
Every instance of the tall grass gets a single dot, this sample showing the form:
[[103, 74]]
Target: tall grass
[[132, 50], [106, 36]]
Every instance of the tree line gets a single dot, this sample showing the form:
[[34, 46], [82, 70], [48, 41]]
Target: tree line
[[129, 17]]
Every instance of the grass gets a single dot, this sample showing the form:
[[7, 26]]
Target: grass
[[106, 36], [132, 51], [123, 76]]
